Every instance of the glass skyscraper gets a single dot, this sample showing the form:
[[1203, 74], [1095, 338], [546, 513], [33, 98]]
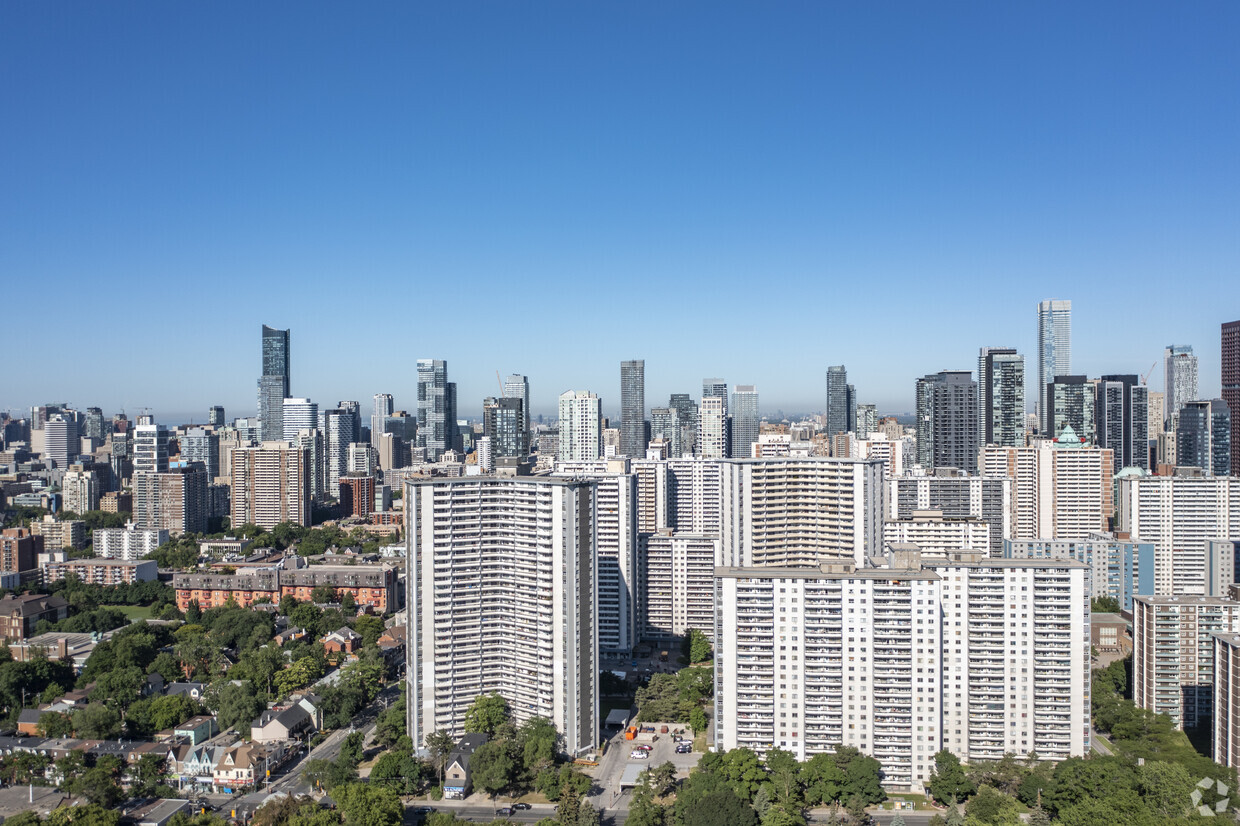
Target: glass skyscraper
[[1054, 351], [273, 385], [633, 408]]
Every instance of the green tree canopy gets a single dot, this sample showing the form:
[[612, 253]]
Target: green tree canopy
[[949, 781], [487, 714]]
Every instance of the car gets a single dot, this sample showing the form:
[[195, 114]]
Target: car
[[520, 807], [638, 754], [423, 810], [503, 811], [684, 748], [643, 748]]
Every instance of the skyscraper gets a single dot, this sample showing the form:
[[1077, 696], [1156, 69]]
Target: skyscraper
[[517, 386], [273, 385], [338, 434], [745, 420], [436, 408], [299, 414], [665, 425], [1179, 378], [947, 420], [1203, 436], [381, 410], [581, 426], [838, 398], [1070, 403], [271, 484], [712, 435], [503, 421], [1121, 420], [1054, 350], [718, 388], [215, 415], [687, 415], [1231, 385], [202, 445], [633, 408], [1001, 397]]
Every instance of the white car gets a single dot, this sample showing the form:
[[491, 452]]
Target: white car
[[638, 754]]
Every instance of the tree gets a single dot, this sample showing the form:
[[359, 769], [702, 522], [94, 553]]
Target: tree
[[95, 721], [587, 815], [440, 744], [721, 808], [697, 720], [1165, 788], [568, 811], [26, 818], [328, 774], [369, 627], [351, 748], [323, 594], [398, 770], [92, 814], [391, 723], [1104, 605], [857, 813], [782, 816], [643, 811], [700, 650], [487, 714], [538, 742], [990, 807], [56, 724], [785, 779], [1039, 817], [348, 604], [364, 804], [954, 818], [276, 812], [949, 781], [98, 785], [492, 767], [662, 778], [237, 705], [1121, 806], [823, 779]]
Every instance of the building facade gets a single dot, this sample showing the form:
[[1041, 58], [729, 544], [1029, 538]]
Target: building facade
[[633, 437], [273, 384], [270, 485], [1061, 490], [1179, 377], [1120, 569], [745, 421], [581, 426], [1001, 397], [1054, 352]]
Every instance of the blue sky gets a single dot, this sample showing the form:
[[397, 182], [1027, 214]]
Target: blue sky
[[721, 189]]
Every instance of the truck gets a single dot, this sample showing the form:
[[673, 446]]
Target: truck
[[662, 656]]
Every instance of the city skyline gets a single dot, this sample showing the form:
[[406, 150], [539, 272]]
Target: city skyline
[[963, 164]]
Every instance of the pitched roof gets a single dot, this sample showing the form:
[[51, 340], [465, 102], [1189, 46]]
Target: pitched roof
[[287, 717]]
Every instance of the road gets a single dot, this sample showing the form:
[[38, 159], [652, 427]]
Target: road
[[1099, 745]]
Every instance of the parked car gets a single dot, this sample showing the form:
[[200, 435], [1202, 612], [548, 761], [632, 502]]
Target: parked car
[[643, 747], [503, 811], [684, 748], [638, 754]]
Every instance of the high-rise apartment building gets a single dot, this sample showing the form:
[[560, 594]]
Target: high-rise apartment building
[[867, 420], [517, 386], [677, 572], [687, 415], [1054, 351], [503, 421], [581, 426], [270, 485], [683, 495], [501, 598], [273, 385], [60, 439], [1121, 419], [198, 444], [128, 543], [338, 434], [174, 500], [357, 494], [1203, 436], [947, 420], [1179, 515], [988, 499], [80, 489], [801, 511], [1001, 397], [437, 429], [380, 410], [665, 425], [1061, 490], [718, 389], [1231, 385], [215, 416], [1173, 654], [901, 661], [1179, 377], [841, 404], [713, 431], [150, 448], [311, 441], [299, 415], [1119, 568], [1226, 698], [745, 421], [1155, 414], [633, 408], [1070, 401]]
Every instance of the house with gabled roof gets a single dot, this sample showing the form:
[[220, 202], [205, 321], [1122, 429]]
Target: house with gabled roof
[[276, 724], [457, 781]]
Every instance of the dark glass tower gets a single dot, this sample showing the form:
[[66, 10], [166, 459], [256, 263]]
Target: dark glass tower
[[273, 385]]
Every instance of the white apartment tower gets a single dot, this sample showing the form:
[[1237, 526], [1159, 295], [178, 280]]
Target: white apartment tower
[[270, 485], [1061, 490], [678, 585], [128, 543], [801, 511], [713, 428], [299, 415], [581, 426], [80, 490], [1179, 379], [501, 598]]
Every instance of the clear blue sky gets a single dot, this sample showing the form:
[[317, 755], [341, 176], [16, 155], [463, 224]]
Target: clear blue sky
[[752, 191]]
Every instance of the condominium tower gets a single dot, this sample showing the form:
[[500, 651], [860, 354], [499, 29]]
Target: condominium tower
[[1231, 385], [1179, 377], [1001, 397], [1054, 350], [841, 402], [745, 420], [581, 426], [633, 408], [437, 429], [273, 384], [270, 485]]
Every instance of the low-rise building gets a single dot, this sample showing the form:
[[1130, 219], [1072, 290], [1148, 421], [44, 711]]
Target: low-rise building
[[342, 641], [457, 782], [70, 533], [20, 614], [197, 729], [276, 724], [215, 590], [373, 585], [236, 768], [96, 571]]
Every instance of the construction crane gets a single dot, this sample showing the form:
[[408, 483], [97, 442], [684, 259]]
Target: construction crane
[[1146, 378], [500, 382]]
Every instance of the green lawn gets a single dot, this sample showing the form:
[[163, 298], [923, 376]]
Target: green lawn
[[134, 612]]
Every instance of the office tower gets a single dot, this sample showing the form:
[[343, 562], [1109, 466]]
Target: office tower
[[436, 409], [80, 490], [201, 445], [60, 440], [150, 448], [493, 609], [1172, 654], [357, 494], [503, 422], [1203, 436], [581, 426], [1119, 568], [518, 387], [363, 459], [311, 441], [299, 414], [1179, 377], [215, 416], [718, 389], [270, 485], [379, 412], [677, 571], [273, 385], [713, 431], [796, 511], [1001, 397], [93, 426], [947, 420], [1070, 401], [1054, 351], [838, 401], [338, 434], [173, 500], [617, 544], [1179, 515], [1062, 490], [782, 680], [1231, 385], [633, 408], [867, 420], [745, 421], [1121, 416], [988, 499]]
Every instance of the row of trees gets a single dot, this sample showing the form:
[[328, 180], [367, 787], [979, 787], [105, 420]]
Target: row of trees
[[677, 697]]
